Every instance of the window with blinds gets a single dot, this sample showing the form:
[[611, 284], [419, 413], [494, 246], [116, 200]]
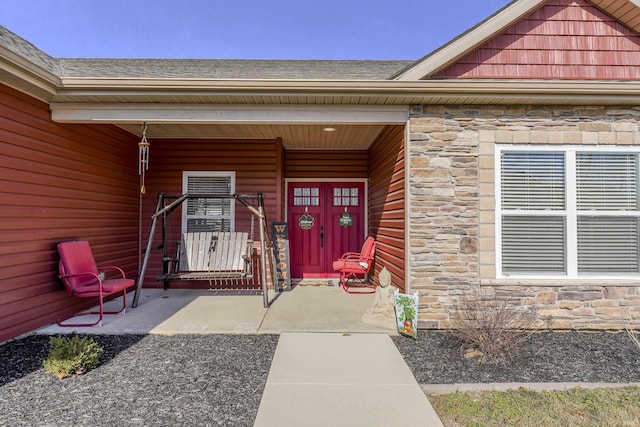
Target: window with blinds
[[208, 213], [532, 186], [569, 212], [606, 192]]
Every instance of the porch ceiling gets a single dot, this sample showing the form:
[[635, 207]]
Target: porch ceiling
[[297, 137]]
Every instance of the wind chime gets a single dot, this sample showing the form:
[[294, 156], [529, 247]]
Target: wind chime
[[143, 157]]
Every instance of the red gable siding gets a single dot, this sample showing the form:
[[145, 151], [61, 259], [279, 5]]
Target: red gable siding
[[564, 39]]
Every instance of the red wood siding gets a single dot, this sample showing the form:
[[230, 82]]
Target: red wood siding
[[326, 164], [256, 163], [564, 39], [387, 202], [58, 182]]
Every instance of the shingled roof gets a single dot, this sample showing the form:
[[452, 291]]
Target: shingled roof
[[28, 51], [231, 69], [227, 69]]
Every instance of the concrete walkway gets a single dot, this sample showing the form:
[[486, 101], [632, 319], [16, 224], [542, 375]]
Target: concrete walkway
[[332, 379], [329, 369]]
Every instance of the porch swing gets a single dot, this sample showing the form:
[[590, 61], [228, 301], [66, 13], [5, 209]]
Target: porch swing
[[219, 257]]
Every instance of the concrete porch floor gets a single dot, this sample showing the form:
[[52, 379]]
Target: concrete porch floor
[[319, 328], [197, 311]]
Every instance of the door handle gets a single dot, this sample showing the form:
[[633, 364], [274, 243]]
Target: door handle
[[322, 236]]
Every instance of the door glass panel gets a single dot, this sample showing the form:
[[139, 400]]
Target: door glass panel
[[346, 197], [306, 196]]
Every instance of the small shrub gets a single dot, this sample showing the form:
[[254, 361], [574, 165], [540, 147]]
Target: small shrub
[[72, 355], [492, 327]]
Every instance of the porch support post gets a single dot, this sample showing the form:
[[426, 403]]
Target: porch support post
[[134, 304], [263, 235], [263, 251]]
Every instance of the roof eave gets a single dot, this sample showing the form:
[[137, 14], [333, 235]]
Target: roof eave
[[23, 75], [468, 91]]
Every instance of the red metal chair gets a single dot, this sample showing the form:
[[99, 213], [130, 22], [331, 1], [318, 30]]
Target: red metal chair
[[83, 279], [356, 266]]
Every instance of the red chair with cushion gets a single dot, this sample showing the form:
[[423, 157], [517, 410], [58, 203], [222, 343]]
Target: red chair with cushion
[[83, 279], [356, 266]]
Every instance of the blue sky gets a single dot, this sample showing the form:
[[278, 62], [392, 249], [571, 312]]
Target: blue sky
[[248, 29]]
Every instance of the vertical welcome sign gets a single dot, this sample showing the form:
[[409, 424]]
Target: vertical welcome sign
[[280, 233]]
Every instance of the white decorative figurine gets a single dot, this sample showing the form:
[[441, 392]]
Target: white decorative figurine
[[382, 312]]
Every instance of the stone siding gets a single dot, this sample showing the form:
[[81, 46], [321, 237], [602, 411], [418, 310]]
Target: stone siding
[[451, 191]]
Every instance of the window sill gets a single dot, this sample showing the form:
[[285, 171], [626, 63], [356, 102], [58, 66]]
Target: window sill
[[562, 281]]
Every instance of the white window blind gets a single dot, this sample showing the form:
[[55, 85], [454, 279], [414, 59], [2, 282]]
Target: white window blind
[[533, 244], [533, 180], [607, 245], [532, 184], [607, 181], [208, 213]]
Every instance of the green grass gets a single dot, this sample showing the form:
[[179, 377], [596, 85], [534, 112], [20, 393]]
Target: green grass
[[615, 407]]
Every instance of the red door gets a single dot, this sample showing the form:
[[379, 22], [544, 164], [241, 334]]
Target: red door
[[326, 219]]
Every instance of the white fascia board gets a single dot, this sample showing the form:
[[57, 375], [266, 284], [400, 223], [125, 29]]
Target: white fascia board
[[466, 42], [396, 95], [24, 71], [388, 88], [224, 113]]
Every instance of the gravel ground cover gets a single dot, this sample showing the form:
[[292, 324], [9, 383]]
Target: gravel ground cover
[[436, 358], [205, 380], [218, 380]]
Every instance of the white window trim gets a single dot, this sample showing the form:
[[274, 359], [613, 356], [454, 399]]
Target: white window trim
[[571, 212], [230, 174]]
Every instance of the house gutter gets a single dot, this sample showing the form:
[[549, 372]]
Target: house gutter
[[460, 91]]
